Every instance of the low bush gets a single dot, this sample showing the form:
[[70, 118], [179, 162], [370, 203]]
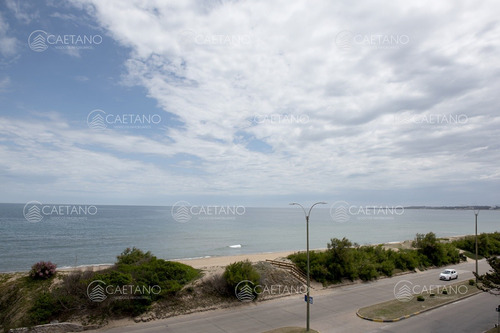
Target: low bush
[[488, 244], [240, 271], [136, 272], [42, 270], [420, 298], [346, 260], [45, 307], [472, 282]]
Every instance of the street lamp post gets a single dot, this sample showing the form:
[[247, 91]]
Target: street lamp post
[[476, 213], [307, 251]]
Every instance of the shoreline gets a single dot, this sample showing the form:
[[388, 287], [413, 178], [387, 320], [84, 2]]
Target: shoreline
[[222, 261], [198, 263]]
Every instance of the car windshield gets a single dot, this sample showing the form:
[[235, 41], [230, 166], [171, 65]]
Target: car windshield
[[447, 272]]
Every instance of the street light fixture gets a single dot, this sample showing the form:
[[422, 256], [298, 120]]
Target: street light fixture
[[307, 250]]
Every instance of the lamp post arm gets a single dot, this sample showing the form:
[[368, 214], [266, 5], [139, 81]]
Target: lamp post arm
[[303, 209], [317, 203]]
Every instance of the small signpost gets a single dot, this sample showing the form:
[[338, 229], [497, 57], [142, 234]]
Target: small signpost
[[310, 299]]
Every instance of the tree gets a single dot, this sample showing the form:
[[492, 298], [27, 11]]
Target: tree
[[437, 253], [341, 259], [491, 280]]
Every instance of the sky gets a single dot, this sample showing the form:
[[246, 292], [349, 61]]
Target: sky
[[255, 103]]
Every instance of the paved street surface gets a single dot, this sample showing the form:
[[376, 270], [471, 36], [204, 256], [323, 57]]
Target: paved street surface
[[474, 314], [335, 311]]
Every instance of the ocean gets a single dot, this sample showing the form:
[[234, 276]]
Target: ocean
[[74, 235]]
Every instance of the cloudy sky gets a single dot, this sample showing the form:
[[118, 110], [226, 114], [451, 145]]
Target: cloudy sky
[[254, 103]]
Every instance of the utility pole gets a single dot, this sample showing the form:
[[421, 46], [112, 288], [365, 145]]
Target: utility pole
[[476, 213]]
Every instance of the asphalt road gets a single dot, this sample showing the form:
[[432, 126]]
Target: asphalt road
[[335, 311], [474, 314]]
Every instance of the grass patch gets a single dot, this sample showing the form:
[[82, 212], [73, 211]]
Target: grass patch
[[396, 309], [471, 255], [17, 295]]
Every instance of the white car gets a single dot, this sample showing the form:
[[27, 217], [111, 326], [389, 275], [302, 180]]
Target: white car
[[448, 274]]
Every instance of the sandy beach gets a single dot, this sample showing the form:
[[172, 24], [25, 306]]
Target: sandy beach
[[204, 263], [224, 261]]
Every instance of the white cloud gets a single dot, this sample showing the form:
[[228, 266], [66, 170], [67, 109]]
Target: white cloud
[[22, 10], [9, 44], [4, 83], [81, 78], [217, 66]]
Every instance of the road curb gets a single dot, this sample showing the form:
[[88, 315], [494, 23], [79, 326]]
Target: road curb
[[414, 313]]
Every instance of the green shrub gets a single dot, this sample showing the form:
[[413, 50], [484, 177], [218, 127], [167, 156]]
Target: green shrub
[[386, 267], [142, 268], [135, 268], [240, 271], [420, 298], [341, 258], [44, 308], [345, 260], [488, 244], [472, 282], [133, 256], [445, 292], [435, 252], [367, 271], [113, 277]]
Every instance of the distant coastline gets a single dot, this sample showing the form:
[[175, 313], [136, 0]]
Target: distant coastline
[[455, 207]]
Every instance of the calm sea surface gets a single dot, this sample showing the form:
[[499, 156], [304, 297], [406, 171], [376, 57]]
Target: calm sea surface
[[84, 235]]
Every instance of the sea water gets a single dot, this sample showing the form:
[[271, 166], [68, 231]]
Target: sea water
[[100, 233]]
